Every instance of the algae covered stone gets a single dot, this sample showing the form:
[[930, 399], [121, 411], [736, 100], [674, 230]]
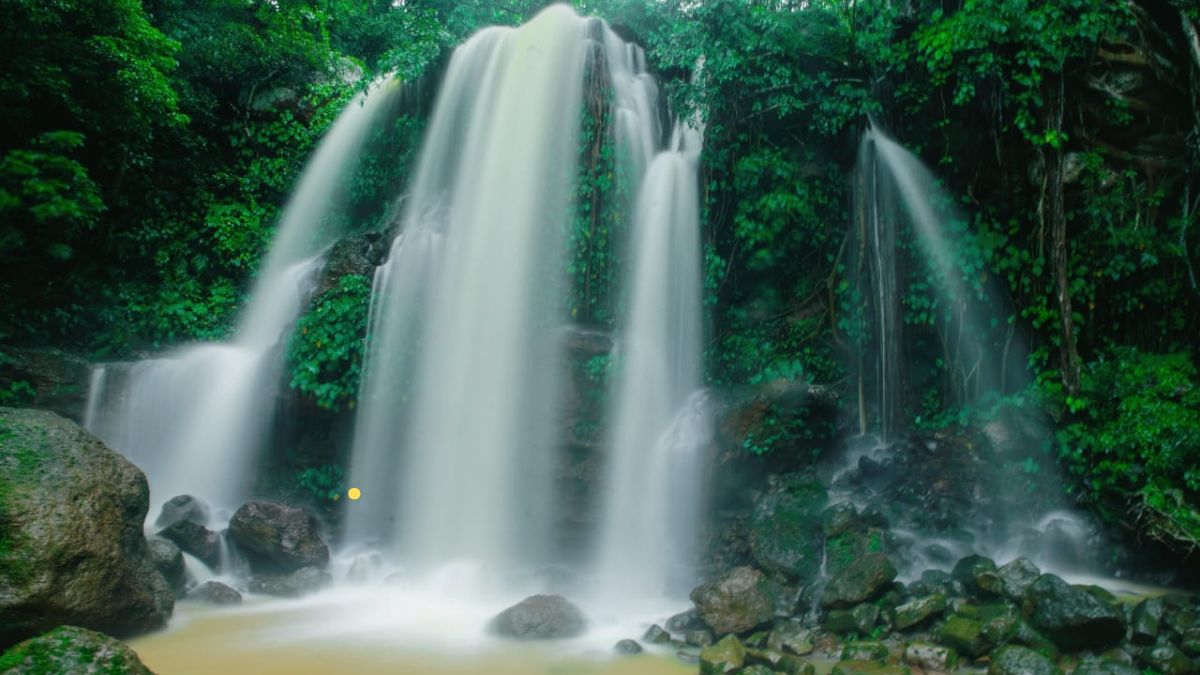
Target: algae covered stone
[[864, 579], [71, 650], [785, 527], [726, 656], [1014, 660]]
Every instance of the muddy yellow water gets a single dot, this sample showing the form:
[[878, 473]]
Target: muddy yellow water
[[208, 641]]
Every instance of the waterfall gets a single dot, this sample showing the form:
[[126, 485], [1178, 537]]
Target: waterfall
[[194, 420], [659, 423], [456, 429]]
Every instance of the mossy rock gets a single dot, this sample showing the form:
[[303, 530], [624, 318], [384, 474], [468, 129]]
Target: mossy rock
[[726, 656], [964, 635], [1074, 617], [868, 668], [72, 548], [785, 528], [738, 602], [71, 650], [916, 612], [865, 578], [1014, 660]]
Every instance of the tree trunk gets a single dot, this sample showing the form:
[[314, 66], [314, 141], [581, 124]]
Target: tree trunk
[[1056, 212]]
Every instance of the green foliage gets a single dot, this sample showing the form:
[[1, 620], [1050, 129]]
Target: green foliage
[[1134, 440], [327, 349], [325, 484]]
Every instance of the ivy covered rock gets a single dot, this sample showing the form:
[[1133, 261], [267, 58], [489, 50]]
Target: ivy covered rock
[[72, 548], [785, 528], [737, 602], [278, 537], [1075, 617], [68, 650], [864, 579], [539, 617]]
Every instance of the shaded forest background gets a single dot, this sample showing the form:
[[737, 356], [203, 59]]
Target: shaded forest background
[[150, 145]]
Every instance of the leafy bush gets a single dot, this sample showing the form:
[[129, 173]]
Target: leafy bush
[[1135, 441], [327, 350]]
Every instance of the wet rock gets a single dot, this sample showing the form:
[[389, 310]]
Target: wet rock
[[1189, 642], [756, 670], [1013, 660], [839, 518], [539, 617], [791, 638], [685, 621], [1147, 617], [70, 650], [978, 574], [1075, 617], [726, 656], [278, 537], [59, 379], [168, 560], [700, 637], [916, 612], [182, 507], [1105, 666], [215, 593], [627, 647], [964, 635], [72, 547], [301, 582], [777, 662], [859, 620], [865, 651], [1168, 660], [864, 579], [688, 656], [738, 602], [757, 639], [194, 539], [784, 531], [930, 657], [868, 668], [655, 635], [1016, 577]]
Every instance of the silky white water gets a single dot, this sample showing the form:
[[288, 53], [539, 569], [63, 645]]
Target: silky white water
[[194, 420]]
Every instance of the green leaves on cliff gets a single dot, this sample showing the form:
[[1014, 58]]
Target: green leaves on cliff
[[326, 353]]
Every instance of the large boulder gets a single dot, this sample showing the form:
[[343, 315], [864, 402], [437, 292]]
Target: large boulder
[[785, 528], [70, 650], [737, 602], [1074, 617], [278, 537], [864, 579], [539, 617], [72, 550]]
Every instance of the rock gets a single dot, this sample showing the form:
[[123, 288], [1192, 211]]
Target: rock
[[790, 637], [1189, 642], [700, 637], [68, 650], [1103, 666], [685, 621], [539, 617], [777, 662], [867, 668], [930, 657], [865, 578], [1074, 617], [978, 574], [216, 593], [784, 532], [627, 647], [916, 612], [964, 635], [737, 602], [278, 537], [689, 656], [1146, 619], [196, 540], [655, 635], [182, 507], [1013, 660], [865, 651], [839, 518], [756, 670], [726, 656], [865, 617], [72, 548], [1017, 576], [355, 254], [59, 379], [168, 560], [1168, 660], [301, 582]]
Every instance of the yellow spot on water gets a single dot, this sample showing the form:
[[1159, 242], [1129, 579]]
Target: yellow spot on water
[[353, 493]]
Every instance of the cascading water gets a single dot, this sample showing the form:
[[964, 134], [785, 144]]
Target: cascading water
[[194, 420], [659, 422], [1012, 518], [467, 309]]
